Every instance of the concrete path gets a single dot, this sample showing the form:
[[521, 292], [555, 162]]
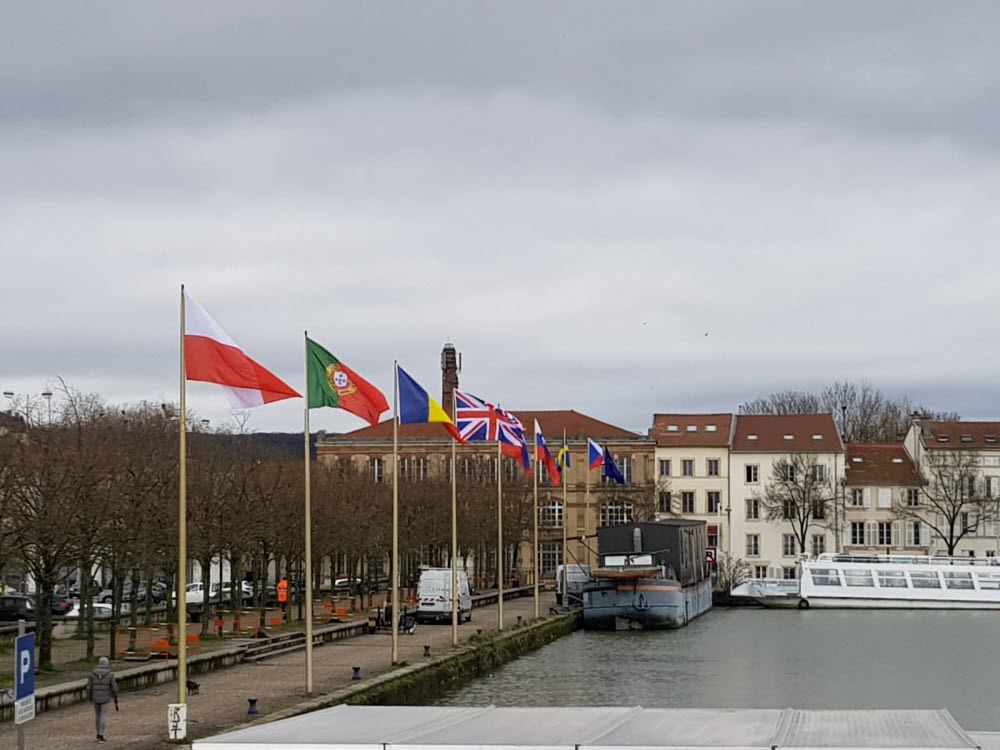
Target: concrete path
[[276, 683]]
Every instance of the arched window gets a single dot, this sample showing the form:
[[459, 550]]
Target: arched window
[[615, 513], [550, 515]]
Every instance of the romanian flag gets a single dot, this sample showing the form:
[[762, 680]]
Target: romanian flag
[[543, 455], [595, 455], [416, 407]]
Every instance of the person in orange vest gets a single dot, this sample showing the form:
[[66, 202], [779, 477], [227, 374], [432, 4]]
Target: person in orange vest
[[283, 597]]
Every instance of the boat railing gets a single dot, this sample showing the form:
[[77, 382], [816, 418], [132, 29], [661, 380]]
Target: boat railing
[[875, 559], [782, 584]]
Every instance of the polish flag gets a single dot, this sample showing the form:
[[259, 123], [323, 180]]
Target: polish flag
[[211, 356]]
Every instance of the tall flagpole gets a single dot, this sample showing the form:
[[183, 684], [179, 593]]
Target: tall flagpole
[[586, 514], [565, 519], [500, 560], [394, 620], [454, 532], [534, 525], [308, 532], [182, 532]]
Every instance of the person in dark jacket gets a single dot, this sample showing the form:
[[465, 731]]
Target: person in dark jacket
[[101, 691]]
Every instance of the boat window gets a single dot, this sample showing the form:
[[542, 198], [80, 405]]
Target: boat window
[[990, 581], [925, 579], [859, 577], [825, 576], [892, 579], [957, 580]]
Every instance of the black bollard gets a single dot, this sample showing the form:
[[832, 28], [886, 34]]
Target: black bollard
[[519, 617], [252, 711], [427, 650], [479, 631], [357, 673]]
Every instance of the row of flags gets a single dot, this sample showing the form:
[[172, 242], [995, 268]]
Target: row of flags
[[212, 356]]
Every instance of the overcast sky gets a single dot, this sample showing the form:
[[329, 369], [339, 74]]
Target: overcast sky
[[573, 193]]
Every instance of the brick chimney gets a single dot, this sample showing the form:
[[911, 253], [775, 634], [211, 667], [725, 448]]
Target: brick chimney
[[451, 365]]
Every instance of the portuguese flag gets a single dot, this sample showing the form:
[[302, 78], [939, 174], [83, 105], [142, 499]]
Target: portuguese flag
[[332, 383]]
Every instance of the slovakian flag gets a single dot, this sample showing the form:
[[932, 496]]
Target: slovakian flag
[[332, 383], [542, 454], [611, 470], [211, 356], [595, 455], [416, 406]]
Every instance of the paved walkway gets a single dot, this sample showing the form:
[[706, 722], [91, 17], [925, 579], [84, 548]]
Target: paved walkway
[[277, 684]]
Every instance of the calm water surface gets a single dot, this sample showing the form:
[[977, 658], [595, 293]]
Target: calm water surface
[[769, 659]]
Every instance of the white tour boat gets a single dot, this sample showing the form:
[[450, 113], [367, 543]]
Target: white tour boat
[[883, 582]]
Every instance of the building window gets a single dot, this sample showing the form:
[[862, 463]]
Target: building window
[[752, 473], [543, 474], [753, 509], [687, 502], [465, 469], [760, 571], [687, 467], [970, 487], [857, 498], [713, 502], [377, 469], [615, 513], [788, 472], [857, 533], [494, 469], [420, 469], [788, 545], [550, 515], [884, 497], [753, 545], [913, 533], [819, 472], [405, 467], [818, 509], [549, 558], [713, 536], [511, 469], [663, 503], [818, 544], [626, 466], [884, 534], [664, 467], [789, 574], [967, 525], [713, 467], [788, 509]]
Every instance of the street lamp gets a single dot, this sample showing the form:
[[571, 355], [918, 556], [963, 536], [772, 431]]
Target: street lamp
[[47, 395]]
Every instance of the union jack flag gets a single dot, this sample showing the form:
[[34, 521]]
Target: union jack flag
[[480, 420]]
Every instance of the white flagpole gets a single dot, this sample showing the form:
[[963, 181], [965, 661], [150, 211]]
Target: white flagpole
[[565, 519], [534, 525], [454, 532], [182, 531], [308, 533], [500, 560], [586, 514], [394, 620]]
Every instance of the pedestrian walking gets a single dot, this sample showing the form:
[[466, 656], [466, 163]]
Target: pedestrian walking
[[101, 691]]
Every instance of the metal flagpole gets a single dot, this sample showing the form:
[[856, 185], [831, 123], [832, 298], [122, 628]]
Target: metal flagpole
[[394, 620], [500, 560], [586, 514], [565, 518], [308, 532], [534, 525], [182, 532], [454, 533]]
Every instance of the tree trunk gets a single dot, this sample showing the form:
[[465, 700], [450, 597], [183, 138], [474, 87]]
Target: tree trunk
[[116, 608], [44, 586], [206, 601]]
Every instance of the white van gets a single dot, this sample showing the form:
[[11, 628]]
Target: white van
[[434, 595], [576, 576]]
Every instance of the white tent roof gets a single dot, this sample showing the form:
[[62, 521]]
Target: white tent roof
[[491, 728]]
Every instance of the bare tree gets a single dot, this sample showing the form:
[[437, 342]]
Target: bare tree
[[800, 491], [954, 501]]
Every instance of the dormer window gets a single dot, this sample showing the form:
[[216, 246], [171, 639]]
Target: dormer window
[[692, 428], [991, 438], [817, 437], [672, 428], [897, 460], [856, 459], [710, 428], [966, 438], [789, 437], [942, 438], [751, 437]]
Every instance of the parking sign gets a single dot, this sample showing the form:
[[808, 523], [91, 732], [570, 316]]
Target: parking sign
[[24, 678]]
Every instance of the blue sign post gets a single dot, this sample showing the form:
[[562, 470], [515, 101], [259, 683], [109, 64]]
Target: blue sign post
[[24, 678]]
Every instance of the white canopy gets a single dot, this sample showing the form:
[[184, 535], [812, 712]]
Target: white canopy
[[492, 728]]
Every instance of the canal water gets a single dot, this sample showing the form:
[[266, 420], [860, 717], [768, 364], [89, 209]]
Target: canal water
[[756, 658]]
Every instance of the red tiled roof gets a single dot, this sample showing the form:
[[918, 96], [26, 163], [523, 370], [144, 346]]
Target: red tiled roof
[[691, 430], [880, 463], [809, 433], [577, 426], [961, 435]]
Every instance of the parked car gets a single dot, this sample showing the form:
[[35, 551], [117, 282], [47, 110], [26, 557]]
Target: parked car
[[61, 605], [227, 591], [14, 607], [101, 611], [158, 591]]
